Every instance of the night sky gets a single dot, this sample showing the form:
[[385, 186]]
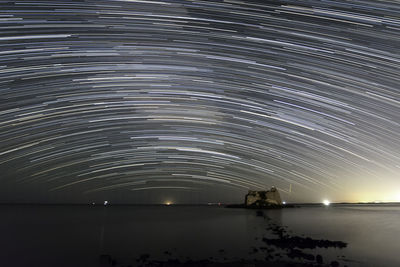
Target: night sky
[[199, 101]]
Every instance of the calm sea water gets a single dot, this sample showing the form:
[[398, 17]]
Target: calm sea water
[[78, 235]]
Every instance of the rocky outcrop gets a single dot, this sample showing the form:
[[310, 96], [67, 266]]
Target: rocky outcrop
[[270, 198]]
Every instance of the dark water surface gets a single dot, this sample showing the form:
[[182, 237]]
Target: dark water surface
[[78, 235]]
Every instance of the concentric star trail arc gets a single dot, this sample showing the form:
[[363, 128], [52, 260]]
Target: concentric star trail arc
[[199, 100]]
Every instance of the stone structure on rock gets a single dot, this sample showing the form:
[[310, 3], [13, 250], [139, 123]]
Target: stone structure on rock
[[270, 198]]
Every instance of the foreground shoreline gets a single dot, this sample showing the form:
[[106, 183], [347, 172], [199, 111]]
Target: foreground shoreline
[[280, 249]]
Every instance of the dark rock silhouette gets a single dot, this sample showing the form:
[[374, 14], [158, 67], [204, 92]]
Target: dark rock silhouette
[[296, 253], [319, 259], [301, 242]]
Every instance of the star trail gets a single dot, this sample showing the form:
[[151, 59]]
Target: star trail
[[199, 100]]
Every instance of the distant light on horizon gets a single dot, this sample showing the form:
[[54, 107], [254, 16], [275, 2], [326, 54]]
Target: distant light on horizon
[[105, 203], [326, 202], [284, 202]]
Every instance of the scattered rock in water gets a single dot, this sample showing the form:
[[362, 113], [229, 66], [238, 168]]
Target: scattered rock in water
[[293, 245], [319, 259], [296, 253], [278, 230], [301, 242], [284, 240]]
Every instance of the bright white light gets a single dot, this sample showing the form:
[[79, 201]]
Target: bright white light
[[168, 203], [105, 202], [284, 202], [326, 202]]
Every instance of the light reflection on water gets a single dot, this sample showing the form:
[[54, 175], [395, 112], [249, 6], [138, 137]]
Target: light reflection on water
[[77, 235]]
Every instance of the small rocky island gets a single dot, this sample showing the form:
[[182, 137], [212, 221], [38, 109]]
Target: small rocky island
[[263, 199], [269, 199]]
